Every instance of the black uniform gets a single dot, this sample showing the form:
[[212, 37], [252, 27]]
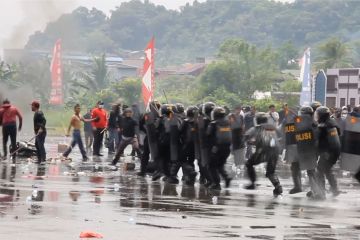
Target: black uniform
[[264, 137], [329, 152], [40, 123], [219, 135]]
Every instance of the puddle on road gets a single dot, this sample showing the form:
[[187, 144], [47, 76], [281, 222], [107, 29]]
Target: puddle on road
[[30, 193]]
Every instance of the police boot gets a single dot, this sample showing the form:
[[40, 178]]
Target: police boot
[[276, 183], [252, 176], [296, 175]]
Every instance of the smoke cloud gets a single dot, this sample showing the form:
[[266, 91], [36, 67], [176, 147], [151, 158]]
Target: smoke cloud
[[36, 14]]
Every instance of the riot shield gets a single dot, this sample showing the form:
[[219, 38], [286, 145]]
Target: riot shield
[[152, 135], [306, 142], [350, 152]]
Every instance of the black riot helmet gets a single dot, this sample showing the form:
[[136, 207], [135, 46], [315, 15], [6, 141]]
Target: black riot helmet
[[191, 111], [167, 109], [314, 105], [261, 118], [154, 106], [218, 113], [179, 108], [207, 108], [323, 114], [306, 110]]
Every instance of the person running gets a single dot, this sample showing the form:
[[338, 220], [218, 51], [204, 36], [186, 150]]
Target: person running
[[129, 128], [75, 123], [8, 114], [40, 132]]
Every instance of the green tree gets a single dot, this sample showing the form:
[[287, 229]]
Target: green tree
[[96, 79], [333, 54], [7, 73], [242, 69], [129, 90]]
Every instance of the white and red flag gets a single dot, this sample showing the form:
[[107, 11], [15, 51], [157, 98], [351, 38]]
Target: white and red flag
[[56, 95], [148, 80]]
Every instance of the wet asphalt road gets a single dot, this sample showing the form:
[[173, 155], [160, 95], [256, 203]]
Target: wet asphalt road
[[61, 199]]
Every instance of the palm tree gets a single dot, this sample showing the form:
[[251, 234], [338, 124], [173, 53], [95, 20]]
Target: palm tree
[[6, 75], [95, 80], [334, 54]]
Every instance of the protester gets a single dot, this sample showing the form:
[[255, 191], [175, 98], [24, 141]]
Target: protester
[[273, 116], [88, 131], [40, 132], [75, 123], [99, 125], [8, 114], [129, 134], [114, 128]]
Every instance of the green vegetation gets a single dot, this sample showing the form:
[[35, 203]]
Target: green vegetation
[[251, 40], [198, 30]]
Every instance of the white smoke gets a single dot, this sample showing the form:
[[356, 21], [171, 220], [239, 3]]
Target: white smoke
[[35, 15]]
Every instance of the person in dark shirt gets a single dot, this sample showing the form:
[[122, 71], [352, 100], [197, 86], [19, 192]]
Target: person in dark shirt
[[89, 135], [128, 128], [114, 128], [40, 132]]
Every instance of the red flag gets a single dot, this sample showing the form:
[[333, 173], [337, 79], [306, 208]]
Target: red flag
[[148, 80], [56, 95]]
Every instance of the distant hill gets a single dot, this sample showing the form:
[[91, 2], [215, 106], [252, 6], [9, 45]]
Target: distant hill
[[197, 30]]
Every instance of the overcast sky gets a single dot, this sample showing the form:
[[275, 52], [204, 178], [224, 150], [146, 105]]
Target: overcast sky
[[19, 18]]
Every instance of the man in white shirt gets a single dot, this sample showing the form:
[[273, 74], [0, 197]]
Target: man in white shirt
[[273, 116]]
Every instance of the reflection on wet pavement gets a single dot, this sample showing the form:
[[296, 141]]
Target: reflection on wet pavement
[[59, 200]]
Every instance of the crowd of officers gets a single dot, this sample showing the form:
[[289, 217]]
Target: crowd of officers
[[175, 137]]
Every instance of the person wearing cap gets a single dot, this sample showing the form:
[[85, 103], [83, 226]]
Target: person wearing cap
[[129, 132], [40, 131], [99, 123], [8, 115]]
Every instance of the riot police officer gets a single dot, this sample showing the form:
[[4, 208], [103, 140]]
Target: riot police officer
[[329, 149], [163, 129], [219, 134], [151, 121], [306, 155], [288, 125], [203, 122], [188, 138], [264, 137], [237, 132]]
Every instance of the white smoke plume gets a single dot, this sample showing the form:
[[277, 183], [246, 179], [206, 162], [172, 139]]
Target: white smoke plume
[[36, 14]]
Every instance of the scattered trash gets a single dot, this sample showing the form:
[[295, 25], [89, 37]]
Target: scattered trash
[[215, 200], [132, 221], [81, 173], [35, 193], [183, 217], [301, 210], [28, 200], [116, 187], [90, 234]]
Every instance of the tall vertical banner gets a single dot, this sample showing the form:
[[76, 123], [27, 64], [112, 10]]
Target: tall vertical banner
[[56, 95], [148, 77], [320, 87], [305, 78]]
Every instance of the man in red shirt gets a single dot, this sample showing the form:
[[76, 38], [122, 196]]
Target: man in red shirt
[[99, 124], [8, 114]]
